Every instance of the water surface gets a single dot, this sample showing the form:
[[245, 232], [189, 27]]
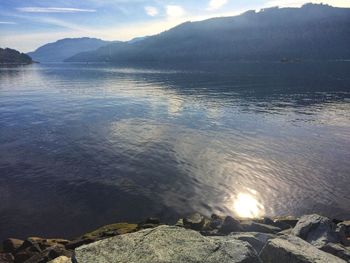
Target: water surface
[[86, 145]]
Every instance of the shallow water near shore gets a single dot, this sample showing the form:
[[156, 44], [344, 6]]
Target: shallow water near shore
[[87, 145]]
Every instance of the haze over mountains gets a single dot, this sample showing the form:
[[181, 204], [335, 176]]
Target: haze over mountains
[[65, 48], [311, 32]]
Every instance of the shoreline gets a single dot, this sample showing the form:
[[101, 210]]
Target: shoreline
[[329, 236]]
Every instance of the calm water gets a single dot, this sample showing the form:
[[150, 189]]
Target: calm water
[[86, 145]]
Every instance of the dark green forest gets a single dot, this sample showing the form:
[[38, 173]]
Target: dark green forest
[[11, 56], [311, 32]]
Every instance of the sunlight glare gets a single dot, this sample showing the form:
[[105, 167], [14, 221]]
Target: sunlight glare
[[246, 206]]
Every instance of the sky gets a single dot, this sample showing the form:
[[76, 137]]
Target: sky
[[27, 24]]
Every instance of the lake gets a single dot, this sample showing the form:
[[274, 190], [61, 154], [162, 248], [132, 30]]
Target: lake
[[82, 146]]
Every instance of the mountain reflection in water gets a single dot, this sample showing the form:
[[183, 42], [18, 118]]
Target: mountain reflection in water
[[86, 145]]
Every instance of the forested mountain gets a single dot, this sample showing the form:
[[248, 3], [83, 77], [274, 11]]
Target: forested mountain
[[311, 32], [11, 56], [65, 48]]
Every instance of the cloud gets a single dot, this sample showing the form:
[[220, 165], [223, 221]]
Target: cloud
[[7, 23], [216, 4], [53, 10], [174, 11], [151, 11]]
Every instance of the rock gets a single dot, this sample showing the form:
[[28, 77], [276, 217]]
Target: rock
[[337, 250], [79, 242], [317, 230], [111, 230], [285, 232], [24, 255], [152, 220], [251, 226], [180, 223], [256, 240], [216, 221], [291, 249], [341, 232], [286, 222], [195, 221], [6, 258], [61, 259], [166, 244], [11, 244], [346, 225], [38, 244], [230, 225], [49, 254]]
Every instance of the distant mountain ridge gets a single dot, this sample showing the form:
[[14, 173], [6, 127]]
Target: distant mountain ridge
[[65, 48], [12, 56], [315, 31]]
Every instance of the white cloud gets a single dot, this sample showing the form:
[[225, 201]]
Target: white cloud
[[299, 3], [7, 23], [174, 11], [216, 4], [151, 10], [53, 10]]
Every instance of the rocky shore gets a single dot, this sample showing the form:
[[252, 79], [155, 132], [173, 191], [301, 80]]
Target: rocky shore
[[224, 239]]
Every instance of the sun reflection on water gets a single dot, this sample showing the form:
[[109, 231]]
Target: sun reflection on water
[[246, 205]]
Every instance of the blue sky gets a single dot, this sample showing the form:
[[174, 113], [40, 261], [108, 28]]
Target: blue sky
[[28, 24]]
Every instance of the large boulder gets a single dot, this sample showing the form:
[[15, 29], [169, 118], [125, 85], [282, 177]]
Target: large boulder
[[317, 230], [195, 221], [256, 240], [10, 245], [230, 225], [291, 249], [166, 244], [337, 250], [251, 226], [6, 258], [61, 259]]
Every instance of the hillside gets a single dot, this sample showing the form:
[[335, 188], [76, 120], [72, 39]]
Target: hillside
[[11, 56], [65, 48], [311, 32]]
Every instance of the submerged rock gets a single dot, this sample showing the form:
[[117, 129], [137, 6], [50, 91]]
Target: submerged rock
[[111, 230], [291, 249], [167, 244], [317, 230]]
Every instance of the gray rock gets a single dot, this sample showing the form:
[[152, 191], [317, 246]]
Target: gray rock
[[291, 249], [337, 250], [165, 244], [10, 245], [286, 222], [195, 221], [251, 226], [61, 259], [6, 258], [230, 225], [256, 240], [317, 230]]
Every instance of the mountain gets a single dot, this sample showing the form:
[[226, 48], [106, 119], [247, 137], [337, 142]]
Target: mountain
[[11, 56], [65, 48], [310, 32]]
